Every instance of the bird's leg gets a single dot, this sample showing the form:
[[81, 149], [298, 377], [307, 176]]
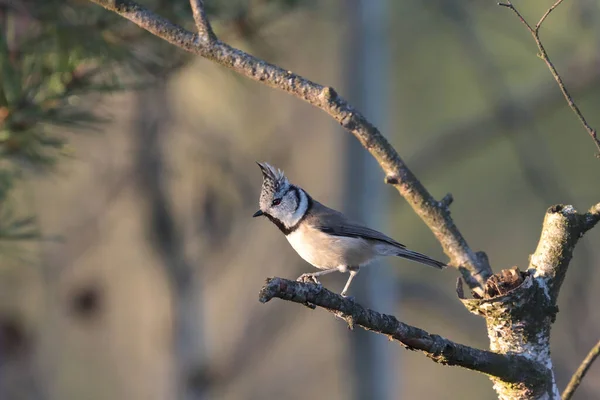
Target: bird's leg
[[312, 276], [353, 271]]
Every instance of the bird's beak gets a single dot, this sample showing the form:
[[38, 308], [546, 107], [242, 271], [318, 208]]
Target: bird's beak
[[257, 214]]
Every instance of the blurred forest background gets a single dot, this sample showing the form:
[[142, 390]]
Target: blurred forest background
[[130, 265]]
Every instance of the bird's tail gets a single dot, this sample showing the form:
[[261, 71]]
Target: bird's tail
[[420, 258]]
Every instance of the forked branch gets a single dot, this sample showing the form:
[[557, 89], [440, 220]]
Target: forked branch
[[205, 31], [474, 267], [535, 32], [509, 368]]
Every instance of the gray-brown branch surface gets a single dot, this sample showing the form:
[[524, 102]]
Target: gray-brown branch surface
[[474, 266], [509, 368], [562, 228]]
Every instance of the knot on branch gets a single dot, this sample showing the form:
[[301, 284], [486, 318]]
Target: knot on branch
[[400, 177], [392, 180], [348, 121], [446, 201], [503, 282], [329, 94], [556, 208], [518, 312], [510, 291]]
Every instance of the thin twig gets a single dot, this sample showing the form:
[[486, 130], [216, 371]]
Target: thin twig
[[535, 32], [537, 26], [456, 140], [510, 5], [581, 371], [205, 31], [510, 368], [475, 269]]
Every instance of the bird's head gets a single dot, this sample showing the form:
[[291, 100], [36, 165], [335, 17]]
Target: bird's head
[[279, 200]]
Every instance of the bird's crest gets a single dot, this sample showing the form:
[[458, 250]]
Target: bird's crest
[[274, 179]]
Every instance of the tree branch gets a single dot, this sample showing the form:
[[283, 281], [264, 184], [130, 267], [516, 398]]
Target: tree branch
[[591, 218], [204, 29], [541, 21], [474, 268], [581, 371], [535, 32], [509, 368], [561, 230]]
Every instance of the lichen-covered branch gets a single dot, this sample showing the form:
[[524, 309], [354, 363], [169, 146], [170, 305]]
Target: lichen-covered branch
[[581, 371], [535, 32], [520, 307], [473, 266], [509, 368], [519, 316], [563, 227]]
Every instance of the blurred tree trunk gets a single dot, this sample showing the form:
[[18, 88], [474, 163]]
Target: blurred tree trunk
[[364, 197], [18, 379], [190, 349], [151, 119]]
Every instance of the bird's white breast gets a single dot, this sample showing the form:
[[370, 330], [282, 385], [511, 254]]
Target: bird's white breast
[[304, 246], [325, 251]]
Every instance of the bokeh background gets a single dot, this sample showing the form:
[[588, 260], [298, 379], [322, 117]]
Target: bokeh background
[[130, 265]]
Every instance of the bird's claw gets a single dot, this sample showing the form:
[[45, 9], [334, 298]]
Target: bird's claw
[[345, 296], [308, 278]]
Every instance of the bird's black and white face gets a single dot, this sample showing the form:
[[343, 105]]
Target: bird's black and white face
[[280, 201]]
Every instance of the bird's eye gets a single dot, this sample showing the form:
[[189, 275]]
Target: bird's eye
[[276, 202]]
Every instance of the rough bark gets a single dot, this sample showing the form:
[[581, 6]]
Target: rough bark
[[515, 369], [518, 322], [520, 307], [562, 228]]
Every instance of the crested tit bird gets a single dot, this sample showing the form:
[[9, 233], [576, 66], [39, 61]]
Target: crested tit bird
[[324, 237]]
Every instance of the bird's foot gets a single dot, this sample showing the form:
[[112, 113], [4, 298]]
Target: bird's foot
[[308, 278], [345, 296]]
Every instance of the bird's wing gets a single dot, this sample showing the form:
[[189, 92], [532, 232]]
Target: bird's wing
[[335, 223]]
